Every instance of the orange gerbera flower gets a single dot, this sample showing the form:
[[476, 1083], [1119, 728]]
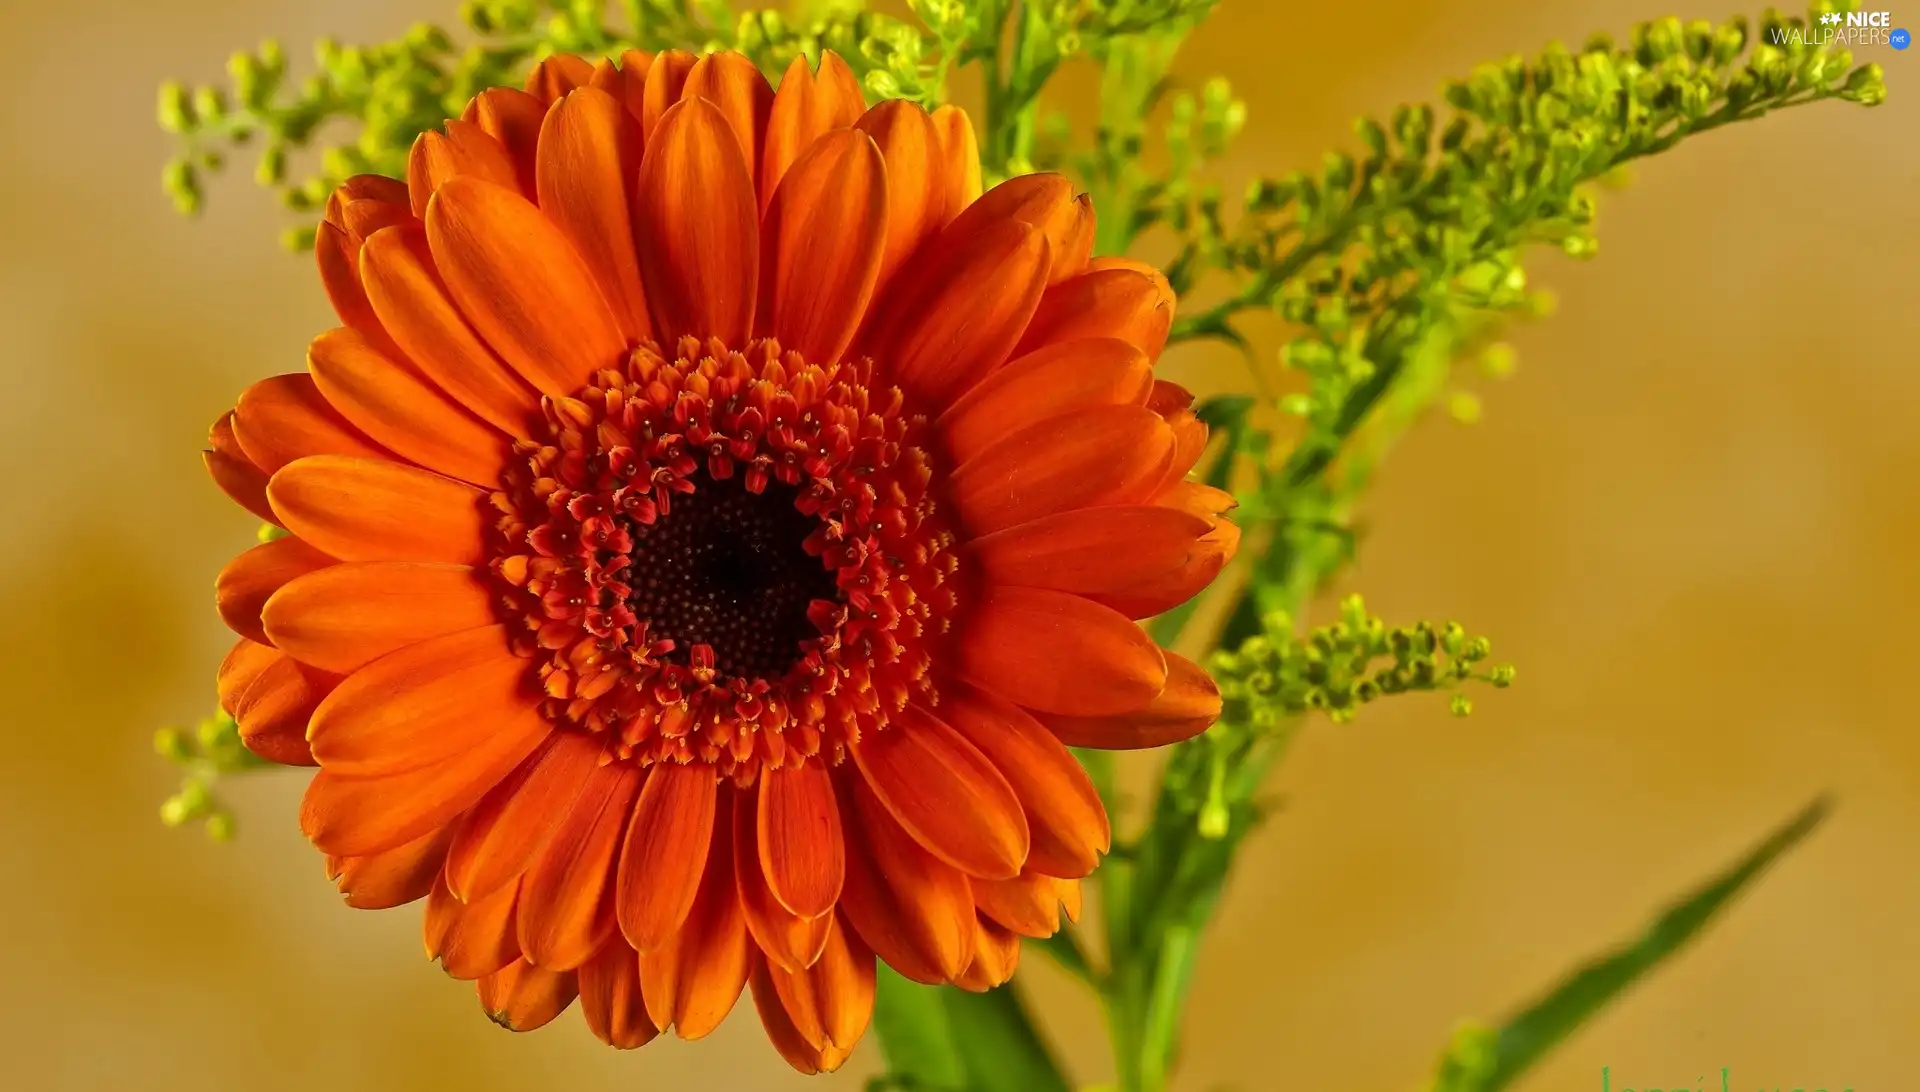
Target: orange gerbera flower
[[706, 533]]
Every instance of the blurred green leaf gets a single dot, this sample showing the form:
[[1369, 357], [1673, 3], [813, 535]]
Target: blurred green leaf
[[1484, 1061], [921, 1030], [915, 1035]]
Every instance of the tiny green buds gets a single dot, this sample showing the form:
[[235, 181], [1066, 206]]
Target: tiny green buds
[[212, 750], [1866, 85], [1469, 1060], [175, 112], [182, 183], [1464, 407], [1340, 667], [272, 169], [209, 104]]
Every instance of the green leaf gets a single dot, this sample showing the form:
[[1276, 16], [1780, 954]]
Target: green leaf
[[1487, 1062], [915, 1035], [945, 1039]]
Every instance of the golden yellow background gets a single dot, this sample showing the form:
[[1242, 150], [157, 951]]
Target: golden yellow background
[[1689, 519]]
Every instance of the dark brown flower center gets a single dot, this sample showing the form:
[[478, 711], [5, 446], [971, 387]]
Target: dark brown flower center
[[729, 569], [724, 555]]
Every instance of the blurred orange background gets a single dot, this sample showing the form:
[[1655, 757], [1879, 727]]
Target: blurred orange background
[[1689, 519]]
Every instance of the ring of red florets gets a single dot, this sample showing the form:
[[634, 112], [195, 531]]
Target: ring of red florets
[[615, 458]]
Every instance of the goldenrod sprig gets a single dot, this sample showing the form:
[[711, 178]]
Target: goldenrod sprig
[[211, 751], [1337, 668], [1448, 200]]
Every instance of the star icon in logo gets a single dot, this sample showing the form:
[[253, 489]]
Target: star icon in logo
[[1830, 17]]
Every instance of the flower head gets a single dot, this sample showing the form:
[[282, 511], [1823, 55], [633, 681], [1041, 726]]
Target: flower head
[[707, 530]]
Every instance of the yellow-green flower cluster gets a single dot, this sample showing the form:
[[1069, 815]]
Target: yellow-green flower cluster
[[1337, 668], [211, 750]]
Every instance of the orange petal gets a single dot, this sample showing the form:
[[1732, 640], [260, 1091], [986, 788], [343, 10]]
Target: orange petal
[[589, 151], [945, 793], [243, 664], [1104, 455], [921, 194], [610, 996], [414, 307], [522, 285], [222, 440], [627, 83], [782, 998], [464, 151], [959, 314], [511, 824], [1042, 385], [665, 852], [234, 473], [843, 985], [357, 815], [1198, 499], [1029, 904], [713, 952], [1113, 298], [914, 910], [392, 877], [1063, 810], [1057, 652], [996, 954], [830, 1003], [1174, 586], [666, 81], [248, 581], [1209, 556], [780, 1025], [566, 900], [274, 710], [364, 187], [698, 229], [337, 258], [1188, 705], [732, 82], [471, 940], [285, 417], [512, 117], [399, 409], [806, 108], [421, 706], [801, 847], [1092, 551], [789, 941], [367, 510], [344, 617], [522, 997], [820, 246], [1044, 201], [556, 75], [1174, 403], [362, 218], [960, 153]]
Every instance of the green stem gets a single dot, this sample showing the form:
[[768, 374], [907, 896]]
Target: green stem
[[1013, 92], [1172, 975], [1125, 1029]]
